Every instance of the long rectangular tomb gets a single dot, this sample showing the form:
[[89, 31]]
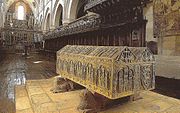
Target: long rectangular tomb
[[112, 71]]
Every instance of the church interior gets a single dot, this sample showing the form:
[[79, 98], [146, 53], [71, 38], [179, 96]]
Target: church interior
[[89, 56]]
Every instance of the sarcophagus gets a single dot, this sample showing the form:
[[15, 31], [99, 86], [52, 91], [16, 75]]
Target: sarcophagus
[[111, 71]]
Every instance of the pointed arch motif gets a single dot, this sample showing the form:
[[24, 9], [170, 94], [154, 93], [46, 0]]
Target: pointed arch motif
[[58, 12], [11, 2], [72, 9], [46, 19]]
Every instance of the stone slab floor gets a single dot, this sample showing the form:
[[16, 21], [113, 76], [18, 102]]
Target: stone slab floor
[[15, 70], [35, 97]]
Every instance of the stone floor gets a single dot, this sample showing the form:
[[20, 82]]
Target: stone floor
[[15, 70], [37, 98]]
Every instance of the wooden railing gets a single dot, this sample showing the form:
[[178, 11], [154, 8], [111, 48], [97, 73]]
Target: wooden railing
[[83, 24], [92, 3]]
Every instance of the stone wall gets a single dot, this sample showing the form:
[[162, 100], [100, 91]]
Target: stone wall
[[168, 66], [167, 26]]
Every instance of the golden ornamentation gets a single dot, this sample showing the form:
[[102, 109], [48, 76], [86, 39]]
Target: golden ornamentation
[[111, 71]]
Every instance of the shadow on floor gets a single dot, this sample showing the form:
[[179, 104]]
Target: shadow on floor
[[168, 86]]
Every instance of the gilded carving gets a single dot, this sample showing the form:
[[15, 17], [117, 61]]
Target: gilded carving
[[114, 72]]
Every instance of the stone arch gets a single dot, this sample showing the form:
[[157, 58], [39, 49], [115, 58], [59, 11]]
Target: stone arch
[[10, 3], [73, 4], [80, 8], [58, 13], [74, 7], [47, 19], [41, 21], [47, 22], [58, 16]]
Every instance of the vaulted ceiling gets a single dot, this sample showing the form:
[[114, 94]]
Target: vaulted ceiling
[[29, 1], [32, 3]]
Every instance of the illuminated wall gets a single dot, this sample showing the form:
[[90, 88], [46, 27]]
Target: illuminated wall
[[167, 26]]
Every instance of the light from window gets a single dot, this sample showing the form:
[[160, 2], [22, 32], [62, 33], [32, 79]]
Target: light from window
[[20, 12]]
